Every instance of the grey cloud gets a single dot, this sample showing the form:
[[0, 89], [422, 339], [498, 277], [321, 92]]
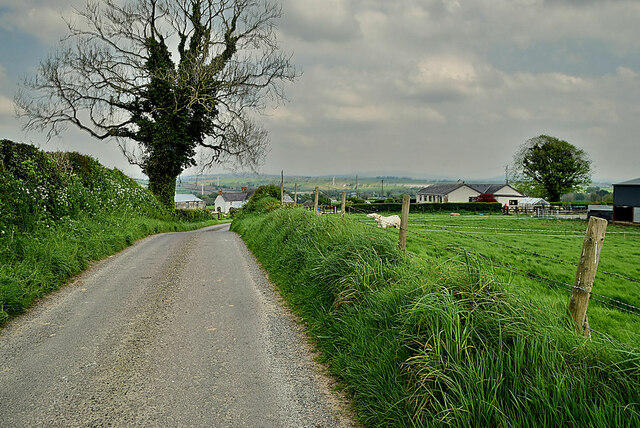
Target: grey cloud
[[318, 21], [454, 87]]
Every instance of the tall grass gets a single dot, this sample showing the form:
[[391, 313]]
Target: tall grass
[[436, 341]]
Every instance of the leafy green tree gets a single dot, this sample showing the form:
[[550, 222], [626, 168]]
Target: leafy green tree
[[549, 167], [167, 79]]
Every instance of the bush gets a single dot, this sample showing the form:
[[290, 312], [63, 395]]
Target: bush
[[58, 211], [194, 215], [44, 187]]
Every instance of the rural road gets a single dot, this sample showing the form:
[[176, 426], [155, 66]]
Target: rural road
[[180, 329]]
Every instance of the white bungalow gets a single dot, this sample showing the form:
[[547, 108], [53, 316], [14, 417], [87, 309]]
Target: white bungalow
[[462, 192]]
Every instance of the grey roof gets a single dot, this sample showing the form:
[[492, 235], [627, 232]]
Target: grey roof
[[288, 199], [487, 188], [440, 188], [493, 189], [186, 198], [634, 182], [236, 196]]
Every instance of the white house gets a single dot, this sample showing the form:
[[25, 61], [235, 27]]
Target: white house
[[446, 192], [462, 192], [190, 202], [228, 200]]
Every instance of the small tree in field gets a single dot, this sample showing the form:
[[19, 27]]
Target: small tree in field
[[486, 197], [548, 167], [170, 76]]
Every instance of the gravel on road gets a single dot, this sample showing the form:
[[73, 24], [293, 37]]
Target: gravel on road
[[180, 329]]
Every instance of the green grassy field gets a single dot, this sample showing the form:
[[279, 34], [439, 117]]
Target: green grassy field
[[537, 258], [442, 338]]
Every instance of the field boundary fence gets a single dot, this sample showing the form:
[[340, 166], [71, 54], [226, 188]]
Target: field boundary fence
[[606, 301]]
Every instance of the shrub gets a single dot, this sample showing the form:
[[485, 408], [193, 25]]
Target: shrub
[[486, 197], [194, 215]]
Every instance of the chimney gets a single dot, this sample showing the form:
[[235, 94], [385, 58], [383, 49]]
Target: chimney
[[220, 192], [244, 189]]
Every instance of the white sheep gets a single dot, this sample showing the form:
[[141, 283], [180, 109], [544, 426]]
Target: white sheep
[[384, 222]]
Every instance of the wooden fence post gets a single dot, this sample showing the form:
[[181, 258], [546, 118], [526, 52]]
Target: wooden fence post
[[315, 202], [344, 204], [295, 194], [587, 268], [282, 187], [404, 222]]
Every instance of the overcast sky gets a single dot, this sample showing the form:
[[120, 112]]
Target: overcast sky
[[427, 88]]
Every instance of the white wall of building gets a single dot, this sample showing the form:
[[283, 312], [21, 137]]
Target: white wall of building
[[462, 194], [223, 205]]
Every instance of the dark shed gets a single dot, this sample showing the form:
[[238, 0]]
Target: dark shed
[[626, 201]]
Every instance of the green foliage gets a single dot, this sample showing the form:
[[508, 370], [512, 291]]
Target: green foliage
[[264, 199], [354, 200], [191, 215], [58, 211], [548, 167], [41, 188], [482, 207], [269, 190], [437, 342], [261, 205]]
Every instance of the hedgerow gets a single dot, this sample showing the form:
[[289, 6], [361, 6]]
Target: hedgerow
[[58, 211]]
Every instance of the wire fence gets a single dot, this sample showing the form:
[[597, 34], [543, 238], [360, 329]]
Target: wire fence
[[549, 282], [524, 250]]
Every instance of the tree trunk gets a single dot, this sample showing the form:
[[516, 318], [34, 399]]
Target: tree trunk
[[163, 186]]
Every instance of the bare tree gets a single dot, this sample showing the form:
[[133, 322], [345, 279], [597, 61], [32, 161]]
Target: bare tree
[[115, 77]]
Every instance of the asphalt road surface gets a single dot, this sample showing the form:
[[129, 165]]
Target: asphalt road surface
[[181, 329]]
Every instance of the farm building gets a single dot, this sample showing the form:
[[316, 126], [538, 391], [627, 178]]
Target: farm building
[[462, 192], [532, 203], [288, 199], [601, 211], [190, 202], [227, 200], [626, 201]]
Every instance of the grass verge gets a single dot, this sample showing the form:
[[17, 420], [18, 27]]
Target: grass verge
[[59, 211], [36, 263], [436, 341]]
